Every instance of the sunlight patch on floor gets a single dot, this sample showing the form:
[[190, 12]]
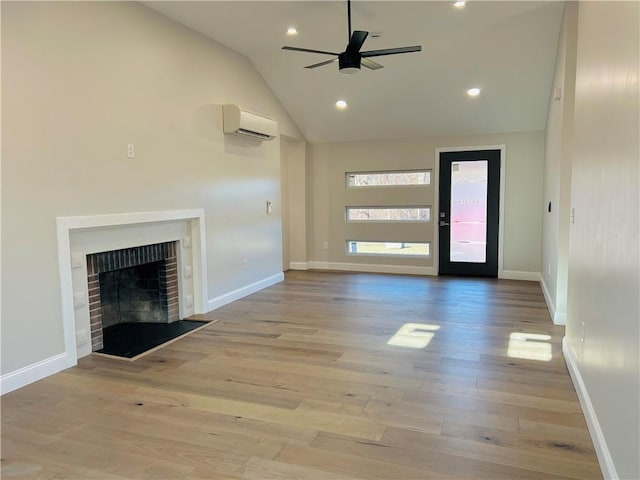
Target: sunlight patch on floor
[[413, 335], [530, 346]]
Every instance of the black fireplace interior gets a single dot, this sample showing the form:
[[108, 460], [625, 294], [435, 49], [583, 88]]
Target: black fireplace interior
[[134, 299]]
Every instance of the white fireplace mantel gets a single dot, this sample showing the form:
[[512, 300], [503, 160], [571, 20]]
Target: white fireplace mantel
[[122, 231]]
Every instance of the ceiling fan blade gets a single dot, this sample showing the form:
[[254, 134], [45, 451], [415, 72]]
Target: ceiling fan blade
[[391, 51], [308, 50], [357, 39], [326, 62], [370, 64]]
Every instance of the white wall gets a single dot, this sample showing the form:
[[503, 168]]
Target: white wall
[[81, 80], [557, 170], [328, 164], [604, 262]]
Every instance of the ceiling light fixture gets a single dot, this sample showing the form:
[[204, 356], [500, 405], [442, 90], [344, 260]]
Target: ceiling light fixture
[[341, 104], [459, 4], [292, 31], [473, 92]]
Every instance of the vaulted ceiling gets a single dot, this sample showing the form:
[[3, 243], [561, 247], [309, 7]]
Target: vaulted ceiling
[[505, 48]]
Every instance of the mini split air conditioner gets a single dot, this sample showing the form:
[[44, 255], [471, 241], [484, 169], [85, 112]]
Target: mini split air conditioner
[[241, 122]]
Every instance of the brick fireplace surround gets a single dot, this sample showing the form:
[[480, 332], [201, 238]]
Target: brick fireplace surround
[[103, 262]]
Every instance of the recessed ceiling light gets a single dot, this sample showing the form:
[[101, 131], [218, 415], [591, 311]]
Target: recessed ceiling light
[[459, 4], [341, 104], [292, 31], [473, 92]]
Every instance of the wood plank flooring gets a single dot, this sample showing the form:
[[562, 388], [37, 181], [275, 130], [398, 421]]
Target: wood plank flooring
[[303, 380]]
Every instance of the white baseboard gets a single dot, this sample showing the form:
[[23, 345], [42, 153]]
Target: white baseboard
[[597, 436], [372, 268], [34, 372], [239, 293], [299, 265], [519, 275], [547, 297], [558, 317]]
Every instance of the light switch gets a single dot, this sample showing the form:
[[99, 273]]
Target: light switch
[[557, 93]]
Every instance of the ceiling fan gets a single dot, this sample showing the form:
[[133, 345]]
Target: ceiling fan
[[352, 58]]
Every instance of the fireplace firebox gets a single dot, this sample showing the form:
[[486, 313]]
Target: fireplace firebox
[[138, 284]]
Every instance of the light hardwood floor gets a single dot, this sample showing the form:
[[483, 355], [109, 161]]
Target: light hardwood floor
[[300, 381]]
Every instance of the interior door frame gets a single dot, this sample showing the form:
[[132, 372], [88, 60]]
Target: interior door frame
[[436, 201]]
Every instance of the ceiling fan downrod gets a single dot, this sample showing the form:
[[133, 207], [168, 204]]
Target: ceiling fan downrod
[[348, 20]]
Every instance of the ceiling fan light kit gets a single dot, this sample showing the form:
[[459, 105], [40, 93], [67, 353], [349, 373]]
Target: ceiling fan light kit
[[351, 60], [348, 63]]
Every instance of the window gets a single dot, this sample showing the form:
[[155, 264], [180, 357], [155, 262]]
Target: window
[[390, 178], [388, 214], [416, 249], [393, 221]]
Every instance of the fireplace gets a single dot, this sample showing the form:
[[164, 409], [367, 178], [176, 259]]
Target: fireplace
[[138, 284], [83, 236]]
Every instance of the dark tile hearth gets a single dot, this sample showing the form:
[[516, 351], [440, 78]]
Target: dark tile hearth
[[133, 338]]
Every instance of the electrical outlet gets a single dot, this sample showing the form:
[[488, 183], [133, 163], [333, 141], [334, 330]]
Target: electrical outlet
[[244, 264], [131, 153], [573, 215], [583, 332], [325, 245]]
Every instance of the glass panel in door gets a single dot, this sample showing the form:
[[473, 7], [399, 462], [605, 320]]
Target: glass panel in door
[[468, 239]]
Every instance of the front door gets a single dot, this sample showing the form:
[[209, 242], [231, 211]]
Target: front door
[[469, 213]]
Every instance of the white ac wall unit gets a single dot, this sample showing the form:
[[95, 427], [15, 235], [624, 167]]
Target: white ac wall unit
[[241, 122]]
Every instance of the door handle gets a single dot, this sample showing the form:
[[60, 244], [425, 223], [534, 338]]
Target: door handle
[[443, 223]]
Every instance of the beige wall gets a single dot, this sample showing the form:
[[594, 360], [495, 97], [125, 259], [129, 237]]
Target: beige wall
[[328, 164], [285, 201], [81, 80], [557, 170], [297, 211], [604, 260]]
